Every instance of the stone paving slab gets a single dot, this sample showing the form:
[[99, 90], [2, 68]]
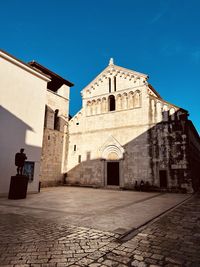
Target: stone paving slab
[[107, 210], [171, 240]]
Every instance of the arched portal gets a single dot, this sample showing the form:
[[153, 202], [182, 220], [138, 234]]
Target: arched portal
[[112, 155]]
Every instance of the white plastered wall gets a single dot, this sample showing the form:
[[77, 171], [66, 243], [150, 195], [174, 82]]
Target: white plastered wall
[[22, 103]]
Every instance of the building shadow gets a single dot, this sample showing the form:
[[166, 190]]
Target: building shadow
[[165, 157], [13, 136]]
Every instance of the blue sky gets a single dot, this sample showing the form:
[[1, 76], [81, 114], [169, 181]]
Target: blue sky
[[76, 38]]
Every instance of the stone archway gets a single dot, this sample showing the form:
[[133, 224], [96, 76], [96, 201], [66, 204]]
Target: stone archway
[[112, 154]]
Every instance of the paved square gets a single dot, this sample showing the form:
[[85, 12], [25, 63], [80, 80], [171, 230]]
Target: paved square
[[41, 236], [108, 210]]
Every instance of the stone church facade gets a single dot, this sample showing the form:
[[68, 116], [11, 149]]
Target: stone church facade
[[126, 133]]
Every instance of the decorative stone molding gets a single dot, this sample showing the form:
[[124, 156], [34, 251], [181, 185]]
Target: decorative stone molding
[[111, 150], [126, 100], [113, 70]]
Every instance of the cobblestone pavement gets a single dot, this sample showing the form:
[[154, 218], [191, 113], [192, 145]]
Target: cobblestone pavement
[[171, 240]]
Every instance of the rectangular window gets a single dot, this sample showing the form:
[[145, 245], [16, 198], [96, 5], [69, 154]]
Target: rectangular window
[[115, 84], [74, 147], [79, 158], [109, 79]]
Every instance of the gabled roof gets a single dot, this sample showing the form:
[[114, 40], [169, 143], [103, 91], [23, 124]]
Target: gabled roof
[[115, 68], [56, 80]]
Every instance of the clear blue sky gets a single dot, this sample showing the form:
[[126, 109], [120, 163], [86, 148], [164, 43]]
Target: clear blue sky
[[76, 38]]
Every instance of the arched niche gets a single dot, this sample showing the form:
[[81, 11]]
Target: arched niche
[[98, 104], [103, 105], [119, 102], [89, 108], [137, 99], [125, 101], [93, 107], [130, 100]]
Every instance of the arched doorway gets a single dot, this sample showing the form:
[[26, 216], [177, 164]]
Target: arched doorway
[[113, 156], [113, 173]]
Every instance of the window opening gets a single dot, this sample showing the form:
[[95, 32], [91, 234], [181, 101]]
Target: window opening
[[74, 147], [115, 83], [109, 79], [79, 158], [56, 120], [111, 103]]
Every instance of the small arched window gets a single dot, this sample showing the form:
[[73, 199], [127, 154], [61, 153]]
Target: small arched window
[[56, 120], [111, 103]]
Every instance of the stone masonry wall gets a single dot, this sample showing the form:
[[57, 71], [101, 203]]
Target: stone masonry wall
[[52, 154], [55, 140]]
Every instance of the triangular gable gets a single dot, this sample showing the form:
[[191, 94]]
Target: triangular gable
[[114, 70]]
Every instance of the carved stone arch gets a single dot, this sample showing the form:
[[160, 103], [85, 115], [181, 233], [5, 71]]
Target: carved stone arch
[[119, 95], [93, 107], [119, 102], [137, 99], [104, 104], [89, 108], [125, 101], [111, 146], [131, 99], [112, 152], [98, 104]]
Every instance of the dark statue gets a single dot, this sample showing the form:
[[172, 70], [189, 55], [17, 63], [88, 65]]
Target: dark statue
[[20, 160]]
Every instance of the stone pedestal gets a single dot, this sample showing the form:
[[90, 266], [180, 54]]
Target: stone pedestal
[[18, 187]]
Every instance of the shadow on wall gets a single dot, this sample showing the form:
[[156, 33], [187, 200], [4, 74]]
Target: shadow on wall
[[162, 157], [13, 137]]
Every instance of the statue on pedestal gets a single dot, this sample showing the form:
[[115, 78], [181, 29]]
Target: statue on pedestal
[[20, 160]]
